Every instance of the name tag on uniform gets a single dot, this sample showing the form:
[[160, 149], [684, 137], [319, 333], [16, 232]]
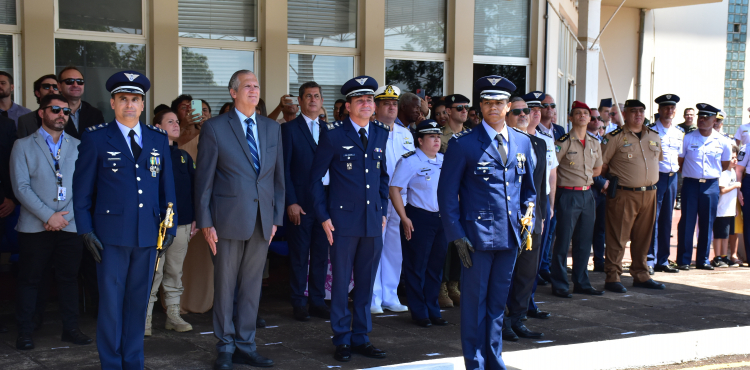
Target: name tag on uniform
[[62, 192], [652, 143], [626, 145], [348, 156]]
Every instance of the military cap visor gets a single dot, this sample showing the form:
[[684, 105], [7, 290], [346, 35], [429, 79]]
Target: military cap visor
[[706, 110], [428, 126], [494, 87], [667, 99]]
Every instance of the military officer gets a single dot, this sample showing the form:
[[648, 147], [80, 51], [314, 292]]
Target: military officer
[[580, 160], [457, 107], [742, 135], [482, 203], [631, 156], [123, 182], [705, 154], [354, 215], [400, 141], [666, 189], [605, 108]]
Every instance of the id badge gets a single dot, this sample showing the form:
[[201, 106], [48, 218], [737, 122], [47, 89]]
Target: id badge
[[61, 193]]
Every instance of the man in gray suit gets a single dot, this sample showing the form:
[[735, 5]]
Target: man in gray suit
[[41, 167], [239, 201]]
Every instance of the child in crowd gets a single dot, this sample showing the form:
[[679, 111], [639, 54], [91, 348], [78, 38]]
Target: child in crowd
[[727, 209]]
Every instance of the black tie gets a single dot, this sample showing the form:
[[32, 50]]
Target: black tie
[[500, 148], [134, 145], [363, 137]]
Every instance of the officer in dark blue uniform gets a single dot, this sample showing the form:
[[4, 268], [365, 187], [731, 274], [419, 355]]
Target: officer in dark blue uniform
[[122, 184], [491, 173], [353, 216]]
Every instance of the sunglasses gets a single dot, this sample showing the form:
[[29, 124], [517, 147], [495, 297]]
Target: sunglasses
[[596, 118], [71, 81], [461, 108], [517, 112], [49, 86], [548, 105], [56, 109], [322, 116], [612, 114]]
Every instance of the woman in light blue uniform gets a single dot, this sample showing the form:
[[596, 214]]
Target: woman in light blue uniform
[[423, 240]]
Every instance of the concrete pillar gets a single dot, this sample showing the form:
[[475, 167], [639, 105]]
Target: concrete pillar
[[274, 59], [372, 39], [38, 40], [587, 71], [537, 43], [164, 70], [460, 48]]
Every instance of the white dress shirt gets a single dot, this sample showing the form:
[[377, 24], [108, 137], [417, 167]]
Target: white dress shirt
[[314, 126], [126, 133], [254, 128]]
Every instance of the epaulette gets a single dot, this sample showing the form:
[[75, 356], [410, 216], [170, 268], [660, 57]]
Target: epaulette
[[462, 133], [592, 136], [409, 154], [615, 131], [681, 129], [334, 125], [156, 129], [523, 132], [650, 125], [94, 128], [652, 128], [544, 133], [382, 125], [563, 138], [691, 129]]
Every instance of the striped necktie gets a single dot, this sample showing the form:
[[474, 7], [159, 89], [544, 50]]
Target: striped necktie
[[253, 144]]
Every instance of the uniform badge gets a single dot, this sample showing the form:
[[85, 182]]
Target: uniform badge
[[155, 162], [630, 156], [377, 165], [113, 153], [115, 170], [653, 143], [604, 141], [572, 163], [741, 155], [349, 165], [182, 158], [347, 147], [557, 149]]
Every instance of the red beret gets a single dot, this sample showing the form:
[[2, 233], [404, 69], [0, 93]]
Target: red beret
[[577, 104]]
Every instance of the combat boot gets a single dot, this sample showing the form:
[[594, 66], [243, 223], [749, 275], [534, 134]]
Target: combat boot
[[454, 293], [148, 326], [443, 299], [174, 321]]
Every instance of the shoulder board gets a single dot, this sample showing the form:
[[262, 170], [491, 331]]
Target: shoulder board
[[382, 125], [462, 133], [156, 129], [94, 128], [691, 129], [409, 154], [681, 129], [650, 125], [563, 138], [544, 133], [592, 136], [334, 125], [652, 128], [615, 131], [522, 132]]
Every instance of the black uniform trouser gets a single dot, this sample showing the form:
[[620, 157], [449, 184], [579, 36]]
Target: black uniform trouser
[[599, 227], [61, 250], [522, 283], [576, 216]]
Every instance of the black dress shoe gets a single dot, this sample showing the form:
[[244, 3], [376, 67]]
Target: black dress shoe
[[589, 291], [665, 268], [321, 311], [439, 321], [24, 341], [300, 313], [650, 270], [425, 323], [260, 322], [650, 284], [545, 274], [598, 268], [522, 331], [683, 267], [616, 287], [76, 337], [368, 350], [252, 359], [343, 353], [704, 267], [540, 281], [223, 361], [509, 335], [538, 314], [561, 293]]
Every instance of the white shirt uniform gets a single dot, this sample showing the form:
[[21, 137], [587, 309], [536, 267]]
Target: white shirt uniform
[[552, 162], [671, 146], [703, 155], [743, 134], [400, 142], [418, 175], [610, 127]]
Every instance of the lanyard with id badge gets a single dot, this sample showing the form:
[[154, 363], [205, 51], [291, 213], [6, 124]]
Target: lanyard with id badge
[[61, 190]]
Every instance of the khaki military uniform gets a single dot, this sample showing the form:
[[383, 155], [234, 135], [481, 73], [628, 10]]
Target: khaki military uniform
[[446, 136], [631, 214], [575, 208]]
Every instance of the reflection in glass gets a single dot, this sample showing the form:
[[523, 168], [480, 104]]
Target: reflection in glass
[[218, 19], [501, 28], [330, 72], [410, 75], [206, 73], [415, 25], [102, 16], [8, 12], [98, 61], [322, 23], [6, 54]]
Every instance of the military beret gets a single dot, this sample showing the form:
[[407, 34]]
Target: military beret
[[577, 104], [128, 82], [456, 98], [534, 99], [605, 103], [706, 109], [667, 99], [634, 103], [360, 85], [494, 87]]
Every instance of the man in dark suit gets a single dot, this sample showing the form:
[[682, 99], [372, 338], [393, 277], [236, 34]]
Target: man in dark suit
[[30, 122], [353, 212], [306, 237], [239, 219], [8, 214]]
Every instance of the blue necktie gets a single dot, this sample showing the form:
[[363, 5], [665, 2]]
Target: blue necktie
[[253, 145]]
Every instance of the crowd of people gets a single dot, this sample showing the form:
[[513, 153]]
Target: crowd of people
[[362, 200]]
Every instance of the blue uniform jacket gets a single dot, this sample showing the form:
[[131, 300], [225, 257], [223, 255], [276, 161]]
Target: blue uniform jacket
[[299, 151], [357, 196], [127, 202], [491, 195]]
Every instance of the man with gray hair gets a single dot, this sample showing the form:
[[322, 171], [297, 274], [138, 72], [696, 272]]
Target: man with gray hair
[[227, 202], [409, 110]]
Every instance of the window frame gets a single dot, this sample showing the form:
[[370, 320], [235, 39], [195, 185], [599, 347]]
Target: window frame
[[329, 51], [14, 30]]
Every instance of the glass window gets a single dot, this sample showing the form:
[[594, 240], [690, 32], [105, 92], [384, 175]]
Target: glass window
[[516, 74], [501, 28], [98, 61], [8, 12], [330, 72], [218, 19], [322, 22], [410, 75], [206, 73], [102, 16], [415, 25], [6, 54]]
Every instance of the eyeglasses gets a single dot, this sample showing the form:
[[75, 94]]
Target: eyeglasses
[[71, 81], [517, 112], [461, 108], [49, 86], [549, 105], [596, 118], [56, 109]]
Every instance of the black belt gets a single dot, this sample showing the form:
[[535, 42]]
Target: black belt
[[669, 173], [642, 188]]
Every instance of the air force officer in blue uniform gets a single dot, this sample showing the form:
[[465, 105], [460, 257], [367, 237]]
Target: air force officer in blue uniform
[[123, 182], [490, 171], [353, 216]]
